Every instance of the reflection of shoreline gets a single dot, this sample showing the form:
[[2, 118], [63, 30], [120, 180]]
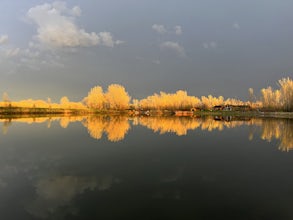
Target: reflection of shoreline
[[116, 127], [180, 125]]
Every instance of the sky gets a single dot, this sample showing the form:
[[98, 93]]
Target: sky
[[64, 48]]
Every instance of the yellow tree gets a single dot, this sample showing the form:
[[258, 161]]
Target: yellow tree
[[135, 103], [286, 85], [117, 97], [64, 102], [6, 99], [251, 95], [95, 98]]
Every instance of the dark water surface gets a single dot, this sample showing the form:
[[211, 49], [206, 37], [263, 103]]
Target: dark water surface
[[146, 168]]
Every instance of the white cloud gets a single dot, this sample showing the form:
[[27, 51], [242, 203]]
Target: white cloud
[[118, 42], [236, 25], [205, 45], [76, 11], [106, 39], [3, 39], [159, 28], [178, 30], [12, 52], [173, 46], [56, 27], [210, 45], [157, 62]]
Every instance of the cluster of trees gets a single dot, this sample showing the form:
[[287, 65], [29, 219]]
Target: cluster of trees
[[279, 99], [117, 98], [181, 101], [31, 103], [178, 100], [275, 100]]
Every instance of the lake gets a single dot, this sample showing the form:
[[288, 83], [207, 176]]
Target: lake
[[102, 167]]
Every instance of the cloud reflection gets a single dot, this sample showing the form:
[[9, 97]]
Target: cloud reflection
[[56, 193]]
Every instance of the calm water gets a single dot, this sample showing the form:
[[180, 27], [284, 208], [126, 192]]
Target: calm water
[[146, 168]]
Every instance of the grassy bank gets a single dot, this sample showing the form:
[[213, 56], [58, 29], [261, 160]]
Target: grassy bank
[[247, 114], [14, 111], [38, 111], [276, 114]]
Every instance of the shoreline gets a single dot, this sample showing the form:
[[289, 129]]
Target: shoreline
[[10, 112]]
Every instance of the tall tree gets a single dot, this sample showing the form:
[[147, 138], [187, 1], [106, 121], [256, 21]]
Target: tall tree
[[5, 97], [95, 98], [117, 97], [286, 85]]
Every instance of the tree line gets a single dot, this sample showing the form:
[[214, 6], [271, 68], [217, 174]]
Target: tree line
[[117, 98]]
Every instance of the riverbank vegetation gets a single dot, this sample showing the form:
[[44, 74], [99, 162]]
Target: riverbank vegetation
[[116, 99], [280, 99]]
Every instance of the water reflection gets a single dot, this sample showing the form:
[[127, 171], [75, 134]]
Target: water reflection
[[278, 129], [57, 191], [116, 127], [65, 174]]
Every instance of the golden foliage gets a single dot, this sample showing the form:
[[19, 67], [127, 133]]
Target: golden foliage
[[30, 103], [116, 98], [286, 90], [279, 99], [96, 98], [210, 101], [178, 100], [181, 101]]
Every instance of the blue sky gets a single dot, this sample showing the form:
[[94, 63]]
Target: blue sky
[[57, 48]]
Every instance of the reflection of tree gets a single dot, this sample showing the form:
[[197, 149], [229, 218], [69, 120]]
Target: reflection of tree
[[180, 125], [6, 124], [287, 137], [95, 126], [177, 125], [271, 129], [281, 129], [278, 129], [115, 127], [64, 121]]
